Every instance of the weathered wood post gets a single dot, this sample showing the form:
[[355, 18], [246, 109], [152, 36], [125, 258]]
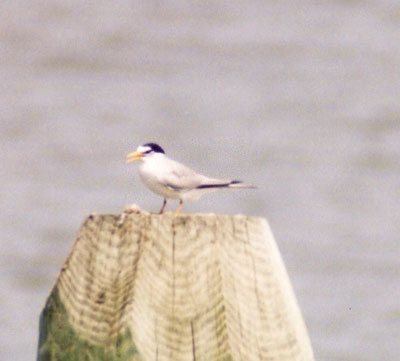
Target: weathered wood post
[[157, 287]]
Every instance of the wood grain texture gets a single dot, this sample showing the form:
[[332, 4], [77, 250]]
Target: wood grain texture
[[194, 287]]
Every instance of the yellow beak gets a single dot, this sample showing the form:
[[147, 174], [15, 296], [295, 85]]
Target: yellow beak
[[131, 157]]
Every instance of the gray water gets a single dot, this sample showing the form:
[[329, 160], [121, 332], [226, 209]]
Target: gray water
[[298, 98]]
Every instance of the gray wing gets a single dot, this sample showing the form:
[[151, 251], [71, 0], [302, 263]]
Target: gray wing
[[180, 177]]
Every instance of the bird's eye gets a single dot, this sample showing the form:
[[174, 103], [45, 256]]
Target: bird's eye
[[148, 151]]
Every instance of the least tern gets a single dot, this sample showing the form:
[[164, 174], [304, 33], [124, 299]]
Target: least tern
[[171, 179]]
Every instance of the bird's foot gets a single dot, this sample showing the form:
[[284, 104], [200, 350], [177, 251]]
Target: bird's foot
[[163, 206], [178, 211]]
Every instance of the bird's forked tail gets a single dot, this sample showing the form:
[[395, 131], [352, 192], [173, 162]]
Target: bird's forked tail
[[213, 184], [239, 184]]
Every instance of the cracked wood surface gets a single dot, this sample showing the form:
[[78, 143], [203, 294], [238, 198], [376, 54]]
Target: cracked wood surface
[[157, 287]]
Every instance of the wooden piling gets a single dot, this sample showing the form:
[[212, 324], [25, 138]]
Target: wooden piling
[[163, 288]]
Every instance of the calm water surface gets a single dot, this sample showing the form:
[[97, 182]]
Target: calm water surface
[[300, 99]]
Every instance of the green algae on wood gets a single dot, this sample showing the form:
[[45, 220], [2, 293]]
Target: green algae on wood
[[59, 342]]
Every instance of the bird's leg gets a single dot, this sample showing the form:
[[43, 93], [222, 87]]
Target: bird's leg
[[179, 207], [163, 206]]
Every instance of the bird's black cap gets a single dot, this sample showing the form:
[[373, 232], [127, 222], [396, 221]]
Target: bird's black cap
[[155, 147]]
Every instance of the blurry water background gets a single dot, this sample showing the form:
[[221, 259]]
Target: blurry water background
[[301, 99]]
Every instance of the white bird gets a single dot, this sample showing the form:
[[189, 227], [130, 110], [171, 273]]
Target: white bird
[[171, 179]]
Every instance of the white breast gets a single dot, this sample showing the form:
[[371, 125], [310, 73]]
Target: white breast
[[151, 173]]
